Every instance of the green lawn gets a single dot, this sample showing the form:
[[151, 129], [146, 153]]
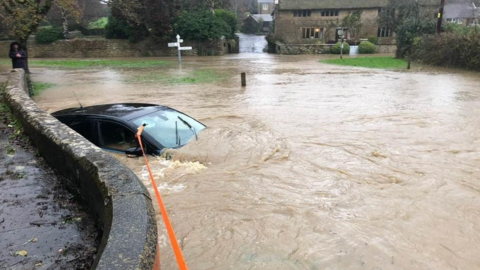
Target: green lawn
[[197, 76], [98, 24], [80, 64], [369, 62], [40, 87], [92, 63]]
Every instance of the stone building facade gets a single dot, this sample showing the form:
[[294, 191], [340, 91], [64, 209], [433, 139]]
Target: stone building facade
[[316, 21], [466, 12], [266, 6]]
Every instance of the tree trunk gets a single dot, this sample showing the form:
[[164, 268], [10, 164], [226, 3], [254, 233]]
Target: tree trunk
[[23, 45], [65, 23]]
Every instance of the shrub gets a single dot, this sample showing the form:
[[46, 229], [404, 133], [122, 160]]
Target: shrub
[[119, 28], [373, 40], [48, 35], [201, 25], [367, 48], [449, 49], [230, 18], [335, 49]]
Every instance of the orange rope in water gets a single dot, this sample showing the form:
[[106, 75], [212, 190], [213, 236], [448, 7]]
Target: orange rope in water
[[173, 239]]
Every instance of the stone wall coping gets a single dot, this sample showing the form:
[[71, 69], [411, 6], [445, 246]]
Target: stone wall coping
[[119, 202]]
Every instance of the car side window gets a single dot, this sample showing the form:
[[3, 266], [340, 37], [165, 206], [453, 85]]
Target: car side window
[[117, 137], [83, 128]]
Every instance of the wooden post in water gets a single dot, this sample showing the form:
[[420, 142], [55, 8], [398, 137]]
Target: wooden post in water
[[244, 79]]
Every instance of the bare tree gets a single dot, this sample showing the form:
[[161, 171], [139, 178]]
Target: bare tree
[[68, 9]]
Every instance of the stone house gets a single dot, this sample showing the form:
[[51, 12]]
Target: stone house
[[266, 6], [263, 22], [316, 21], [464, 12]]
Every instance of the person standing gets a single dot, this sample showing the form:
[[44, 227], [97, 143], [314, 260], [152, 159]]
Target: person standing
[[18, 56]]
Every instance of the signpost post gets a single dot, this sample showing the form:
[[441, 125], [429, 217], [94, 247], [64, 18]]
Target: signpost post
[[341, 35], [179, 48]]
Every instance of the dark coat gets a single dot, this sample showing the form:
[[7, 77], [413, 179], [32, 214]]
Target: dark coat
[[18, 62]]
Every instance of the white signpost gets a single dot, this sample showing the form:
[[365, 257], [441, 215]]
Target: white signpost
[[179, 48]]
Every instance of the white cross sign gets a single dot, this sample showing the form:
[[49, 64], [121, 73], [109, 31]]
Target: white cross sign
[[179, 48]]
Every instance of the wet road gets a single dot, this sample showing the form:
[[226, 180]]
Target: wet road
[[252, 43], [311, 166]]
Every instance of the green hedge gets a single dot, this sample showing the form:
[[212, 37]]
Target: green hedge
[[335, 49], [373, 40], [201, 25], [449, 49], [48, 35], [367, 48], [230, 18]]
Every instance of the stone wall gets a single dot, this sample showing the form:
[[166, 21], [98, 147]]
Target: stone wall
[[293, 49], [118, 200], [104, 48], [386, 49]]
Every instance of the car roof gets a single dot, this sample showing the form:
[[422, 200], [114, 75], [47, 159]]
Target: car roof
[[124, 111]]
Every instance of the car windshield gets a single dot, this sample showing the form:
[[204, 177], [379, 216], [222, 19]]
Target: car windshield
[[170, 128]]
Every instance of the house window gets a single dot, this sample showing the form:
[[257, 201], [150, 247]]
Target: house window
[[312, 32], [384, 32], [388, 12], [265, 6], [330, 13], [302, 13]]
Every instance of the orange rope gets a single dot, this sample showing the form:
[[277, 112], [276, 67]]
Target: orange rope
[[173, 240]]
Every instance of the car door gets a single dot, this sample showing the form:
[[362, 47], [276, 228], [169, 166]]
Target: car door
[[116, 136], [84, 127]]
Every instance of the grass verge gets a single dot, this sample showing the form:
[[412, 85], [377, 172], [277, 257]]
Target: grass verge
[[9, 121], [98, 24], [40, 87], [197, 76], [80, 64], [369, 62], [92, 63]]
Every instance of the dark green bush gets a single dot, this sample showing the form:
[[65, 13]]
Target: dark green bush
[[119, 28], [201, 25], [449, 49], [335, 49], [373, 40], [459, 28], [230, 18], [48, 35], [367, 47]]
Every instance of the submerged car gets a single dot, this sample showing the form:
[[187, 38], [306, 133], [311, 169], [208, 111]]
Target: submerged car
[[113, 126]]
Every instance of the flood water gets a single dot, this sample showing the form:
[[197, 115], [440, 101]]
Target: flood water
[[310, 166], [252, 43]]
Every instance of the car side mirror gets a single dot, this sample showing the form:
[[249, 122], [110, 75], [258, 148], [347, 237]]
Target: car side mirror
[[134, 152]]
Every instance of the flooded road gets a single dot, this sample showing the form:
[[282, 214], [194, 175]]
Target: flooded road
[[252, 43], [310, 166]]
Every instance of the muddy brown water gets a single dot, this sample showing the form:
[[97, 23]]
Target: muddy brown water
[[311, 166]]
